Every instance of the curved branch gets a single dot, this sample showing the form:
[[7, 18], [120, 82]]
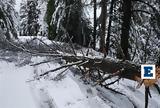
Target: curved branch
[[148, 4], [142, 11]]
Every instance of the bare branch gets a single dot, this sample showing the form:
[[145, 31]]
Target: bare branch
[[45, 62], [64, 66]]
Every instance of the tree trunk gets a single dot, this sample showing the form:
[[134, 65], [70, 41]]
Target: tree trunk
[[158, 61], [103, 25], [95, 24], [109, 27], [107, 65], [126, 19]]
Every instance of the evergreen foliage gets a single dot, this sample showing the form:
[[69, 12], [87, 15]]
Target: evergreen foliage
[[66, 22], [49, 13], [29, 14], [7, 17]]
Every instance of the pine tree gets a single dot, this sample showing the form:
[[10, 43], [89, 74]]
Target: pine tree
[[126, 22], [23, 18], [67, 22], [29, 18], [7, 18], [49, 13], [33, 12], [103, 26]]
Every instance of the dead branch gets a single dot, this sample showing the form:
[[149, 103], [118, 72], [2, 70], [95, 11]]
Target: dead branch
[[59, 68], [43, 62]]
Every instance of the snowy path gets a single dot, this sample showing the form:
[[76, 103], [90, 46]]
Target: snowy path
[[14, 91], [69, 92]]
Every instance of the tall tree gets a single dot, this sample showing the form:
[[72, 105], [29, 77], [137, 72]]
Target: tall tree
[[109, 26], [29, 18], [126, 21], [8, 18], [23, 28], [68, 23], [95, 24], [103, 25], [49, 14], [33, 12]]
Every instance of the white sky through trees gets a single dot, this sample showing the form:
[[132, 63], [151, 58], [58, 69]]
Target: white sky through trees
[[17, 6]]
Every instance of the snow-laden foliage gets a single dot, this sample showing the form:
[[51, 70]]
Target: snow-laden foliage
[[72, 20], [42, 7], [144, 31], [8, 18], [23, 18], [32, 18], [29, 15], [66, 22]]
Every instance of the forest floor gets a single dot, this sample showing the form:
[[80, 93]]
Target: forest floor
[[20, 89], [15, 92]]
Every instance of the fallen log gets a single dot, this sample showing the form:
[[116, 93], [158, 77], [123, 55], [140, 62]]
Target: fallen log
[[109, 66]]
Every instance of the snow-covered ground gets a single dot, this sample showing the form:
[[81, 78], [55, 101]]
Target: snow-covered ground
[[14, 91], [19, 89]]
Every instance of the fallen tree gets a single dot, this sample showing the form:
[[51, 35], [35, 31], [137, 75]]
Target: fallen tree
[[96, 69], [100, 70]]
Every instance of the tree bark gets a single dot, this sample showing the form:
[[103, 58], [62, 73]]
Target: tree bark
[[126, 19], [103, 25], [158, 61], [109, 66], [95, 24], [109, 26]]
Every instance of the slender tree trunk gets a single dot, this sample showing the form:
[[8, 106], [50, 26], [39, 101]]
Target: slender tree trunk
[[158, 61], [145, 50], [109, 26], [103, 25], [126, 19], [146, 96], [95, 24]]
